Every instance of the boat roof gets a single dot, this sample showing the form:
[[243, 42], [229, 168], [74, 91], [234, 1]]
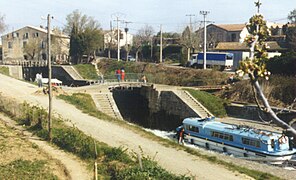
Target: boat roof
[[231, 128]]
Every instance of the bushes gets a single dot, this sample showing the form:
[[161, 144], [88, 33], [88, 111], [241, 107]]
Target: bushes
[[214, 104], [284, 64]]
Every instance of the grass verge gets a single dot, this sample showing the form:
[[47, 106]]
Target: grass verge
[[25, 169], [214, 104], [4, 70]]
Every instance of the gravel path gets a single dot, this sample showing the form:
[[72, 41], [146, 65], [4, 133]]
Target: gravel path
[[178, 162]]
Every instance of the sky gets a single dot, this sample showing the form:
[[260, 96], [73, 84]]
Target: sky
[[170, 13]]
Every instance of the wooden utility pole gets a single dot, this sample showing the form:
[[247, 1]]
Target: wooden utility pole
[[49, 79]]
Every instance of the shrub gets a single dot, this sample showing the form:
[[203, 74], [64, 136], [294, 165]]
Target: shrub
[[4, 70], [284, 64]]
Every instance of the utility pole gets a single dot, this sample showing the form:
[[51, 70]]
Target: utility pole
[[49, 79], [118, 43], [190, 25], [126, 45], [204, 13], [160, 53]]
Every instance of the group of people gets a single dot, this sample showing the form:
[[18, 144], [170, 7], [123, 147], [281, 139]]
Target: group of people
[[38, 79], [120, 74]]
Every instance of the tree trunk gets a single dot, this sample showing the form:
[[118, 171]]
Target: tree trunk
[[137, 55], [109, 53], [188, 54], [270, 111]]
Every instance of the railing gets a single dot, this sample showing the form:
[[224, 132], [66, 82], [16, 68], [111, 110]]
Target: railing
[[26, 63]]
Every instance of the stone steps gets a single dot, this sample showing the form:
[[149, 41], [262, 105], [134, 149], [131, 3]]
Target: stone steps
[[192, 103], [106, 104], [72, 72]]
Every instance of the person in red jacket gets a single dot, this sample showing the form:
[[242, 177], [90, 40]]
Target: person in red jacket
[[122, 74]]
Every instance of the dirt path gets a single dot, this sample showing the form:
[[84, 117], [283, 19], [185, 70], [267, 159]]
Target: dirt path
[[75, 169], [178, 162]]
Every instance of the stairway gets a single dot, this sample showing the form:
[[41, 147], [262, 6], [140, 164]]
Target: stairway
[[106, 104], [72, 72], [192, 103]]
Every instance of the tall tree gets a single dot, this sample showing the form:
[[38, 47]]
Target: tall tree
[[189, 41], [2, 23], [292, 16], [255, 66], [143, 37], [85, 36]]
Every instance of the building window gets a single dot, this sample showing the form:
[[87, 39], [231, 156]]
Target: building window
[[9, 45], [219, 135], [35, 35], [251, 142], [26, 35], [233, 37], [43, 45]]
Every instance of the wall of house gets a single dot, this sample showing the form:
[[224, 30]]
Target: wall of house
[[13, 43]]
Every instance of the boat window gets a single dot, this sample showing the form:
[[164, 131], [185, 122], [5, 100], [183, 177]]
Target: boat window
[[272, 143], [192, 128], [251, 142], [227, 137]]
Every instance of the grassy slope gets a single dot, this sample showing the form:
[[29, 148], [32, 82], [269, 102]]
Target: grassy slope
[[214, 104], [87, 71]]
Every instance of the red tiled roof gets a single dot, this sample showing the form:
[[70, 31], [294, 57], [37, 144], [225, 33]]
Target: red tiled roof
[[237, 46]]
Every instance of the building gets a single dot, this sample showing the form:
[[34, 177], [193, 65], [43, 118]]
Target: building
[[110, 38], [230, 38], [30, 44], [241, 51]]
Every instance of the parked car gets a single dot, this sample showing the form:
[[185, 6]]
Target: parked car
[[131, 58]]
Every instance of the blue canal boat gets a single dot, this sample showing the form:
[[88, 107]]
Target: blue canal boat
[[238, 140]]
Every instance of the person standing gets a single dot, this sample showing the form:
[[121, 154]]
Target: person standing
[[118, 72], [181, 136], [38, 79], [122, 74]]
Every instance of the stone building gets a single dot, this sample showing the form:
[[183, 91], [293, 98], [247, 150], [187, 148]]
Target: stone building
[[14, 45]]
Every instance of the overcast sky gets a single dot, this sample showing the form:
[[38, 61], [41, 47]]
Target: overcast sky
[[170, 13]]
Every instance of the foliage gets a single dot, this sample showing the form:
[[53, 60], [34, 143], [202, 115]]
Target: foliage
[[189, 40], [214, 104], [85, 36], [284, 64], [150, 171], [32, 48], [290, 32], [87, 71], [256, 67], [4, 70], [292, 16], [159, 73], [23, 169]]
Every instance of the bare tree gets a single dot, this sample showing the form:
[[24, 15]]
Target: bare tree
[[141, 38], [32, 48], [189, 40]]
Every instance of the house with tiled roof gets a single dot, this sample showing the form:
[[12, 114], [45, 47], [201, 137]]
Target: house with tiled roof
[[13, 44], [230, 37]]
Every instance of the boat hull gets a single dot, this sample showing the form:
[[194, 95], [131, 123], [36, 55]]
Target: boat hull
[[238, 152]]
